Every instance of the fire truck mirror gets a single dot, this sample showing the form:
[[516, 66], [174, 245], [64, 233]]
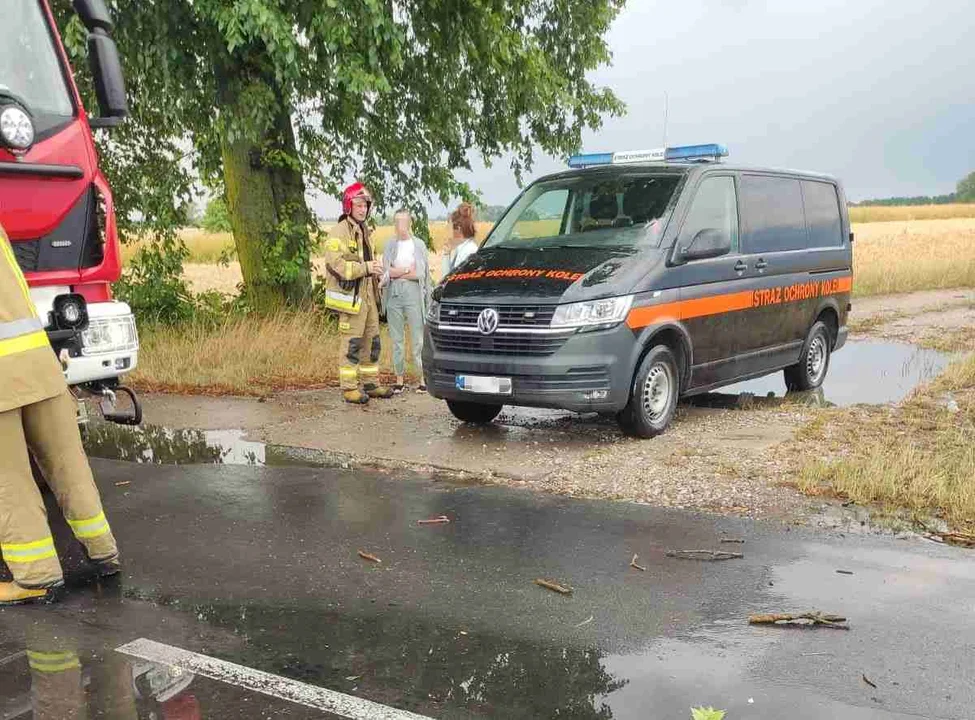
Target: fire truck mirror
[[94, 15], [109, 81]]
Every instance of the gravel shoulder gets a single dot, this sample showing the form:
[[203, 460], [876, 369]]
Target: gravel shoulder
[[725, 453]]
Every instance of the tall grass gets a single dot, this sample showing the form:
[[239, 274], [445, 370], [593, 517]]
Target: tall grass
[[919, 456], [249, 355]]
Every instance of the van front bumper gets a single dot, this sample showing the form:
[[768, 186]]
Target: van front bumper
[[588, 372]]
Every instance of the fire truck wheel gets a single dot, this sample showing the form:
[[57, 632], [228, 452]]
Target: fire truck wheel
[[473, 412], [653, 395]]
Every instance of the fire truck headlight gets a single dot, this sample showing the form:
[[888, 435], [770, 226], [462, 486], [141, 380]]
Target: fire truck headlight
[[16, 128], [110, 334]]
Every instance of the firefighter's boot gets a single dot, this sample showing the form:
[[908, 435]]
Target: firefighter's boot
[[13, 594], [378, 391], [355, 397], [107, 567]]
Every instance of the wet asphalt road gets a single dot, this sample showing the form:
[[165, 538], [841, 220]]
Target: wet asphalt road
[[259, 566]]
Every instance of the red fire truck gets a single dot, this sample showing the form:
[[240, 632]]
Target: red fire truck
[[55, 203]]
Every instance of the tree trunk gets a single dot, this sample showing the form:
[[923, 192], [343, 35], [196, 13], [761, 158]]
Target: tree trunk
[[265, 201]]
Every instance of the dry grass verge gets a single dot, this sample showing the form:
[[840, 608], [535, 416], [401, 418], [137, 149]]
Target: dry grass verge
[[918, 456], [243, 355]]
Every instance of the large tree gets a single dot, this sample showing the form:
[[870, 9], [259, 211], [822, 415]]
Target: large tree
[[264, 100], [966, 188]]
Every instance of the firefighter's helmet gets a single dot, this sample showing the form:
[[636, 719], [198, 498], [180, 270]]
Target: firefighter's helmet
[[353, 191]]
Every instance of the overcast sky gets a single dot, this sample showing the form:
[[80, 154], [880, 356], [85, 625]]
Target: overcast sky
[[880, 93]]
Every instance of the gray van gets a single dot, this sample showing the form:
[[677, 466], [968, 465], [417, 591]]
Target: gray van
[[623, 284]]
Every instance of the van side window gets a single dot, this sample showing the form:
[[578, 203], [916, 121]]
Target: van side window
[[771, 214], [715, 207], [822, 214]]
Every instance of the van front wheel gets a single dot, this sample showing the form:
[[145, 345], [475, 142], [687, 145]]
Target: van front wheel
[[810, 371], [473, 412], [653, 395]]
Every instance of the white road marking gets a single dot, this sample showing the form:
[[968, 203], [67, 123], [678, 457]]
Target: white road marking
[[347, 706]]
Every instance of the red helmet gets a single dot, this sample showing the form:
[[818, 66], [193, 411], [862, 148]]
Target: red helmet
[[353, 191]]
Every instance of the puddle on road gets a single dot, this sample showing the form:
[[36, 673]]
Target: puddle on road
[[155, 445], [872, 373]]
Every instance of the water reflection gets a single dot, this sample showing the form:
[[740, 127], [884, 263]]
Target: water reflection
[[866, 372], [401, 659], [164, 446], [55, 679]]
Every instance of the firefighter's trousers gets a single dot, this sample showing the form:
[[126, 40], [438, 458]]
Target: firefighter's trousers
[[50, 430], [359, 343]]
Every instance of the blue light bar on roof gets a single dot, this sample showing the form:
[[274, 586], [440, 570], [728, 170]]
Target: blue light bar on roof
[[712, 151], [680, 153]]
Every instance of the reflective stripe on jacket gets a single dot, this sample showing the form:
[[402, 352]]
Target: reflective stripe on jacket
[[345, 266], [29, 370]]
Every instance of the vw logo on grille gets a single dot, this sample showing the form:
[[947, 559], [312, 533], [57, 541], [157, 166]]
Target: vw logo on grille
[[487, 321]]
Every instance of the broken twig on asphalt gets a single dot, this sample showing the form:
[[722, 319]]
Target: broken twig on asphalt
[[952, 538], [369, 556], [439, 520], [706, 555], [844, 572], [738, 541], [553, 586], [633, 564], [800, 620], [586, 621], [867, 681]]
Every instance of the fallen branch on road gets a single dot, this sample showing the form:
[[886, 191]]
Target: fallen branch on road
[[800, 620], [553, 586], [738, 541], [952, 538], [440, 520], [633, 564], [369, 556], [706, 555]]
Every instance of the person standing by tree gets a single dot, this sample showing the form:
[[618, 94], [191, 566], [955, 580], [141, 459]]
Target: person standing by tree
[[463, 243], [406, 290], [351, 289]]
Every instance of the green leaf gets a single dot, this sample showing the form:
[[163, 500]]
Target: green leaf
[[708, 713]]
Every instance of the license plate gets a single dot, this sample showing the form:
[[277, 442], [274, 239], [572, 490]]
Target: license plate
[[484, 385]]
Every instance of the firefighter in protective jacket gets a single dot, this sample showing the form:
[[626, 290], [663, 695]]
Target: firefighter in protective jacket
[[38, 417], [352, 290]]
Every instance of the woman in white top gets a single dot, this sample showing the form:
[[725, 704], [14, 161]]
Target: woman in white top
[[406, 289], [463, 243]]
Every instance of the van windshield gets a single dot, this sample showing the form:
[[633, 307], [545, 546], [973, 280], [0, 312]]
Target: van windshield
[[30, 71], [586, 211]]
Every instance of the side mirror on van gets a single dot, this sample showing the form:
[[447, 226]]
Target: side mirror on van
[[707, 243]]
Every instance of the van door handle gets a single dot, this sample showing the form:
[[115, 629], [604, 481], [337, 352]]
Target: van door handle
[[741, 266], [761, 265]]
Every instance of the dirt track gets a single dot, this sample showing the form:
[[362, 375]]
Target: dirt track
[[721, 454]]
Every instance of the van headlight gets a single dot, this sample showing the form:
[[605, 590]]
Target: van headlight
[[110, 334], [433, 312], [593, 315]]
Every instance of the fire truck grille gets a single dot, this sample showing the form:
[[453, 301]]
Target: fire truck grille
[[28, 253]]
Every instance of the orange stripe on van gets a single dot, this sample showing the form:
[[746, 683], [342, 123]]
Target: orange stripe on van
[[640, 317]]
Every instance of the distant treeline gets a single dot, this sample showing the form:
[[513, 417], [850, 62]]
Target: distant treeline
[[918, 200]]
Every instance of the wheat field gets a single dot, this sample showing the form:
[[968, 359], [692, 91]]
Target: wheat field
[[892, 256]]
